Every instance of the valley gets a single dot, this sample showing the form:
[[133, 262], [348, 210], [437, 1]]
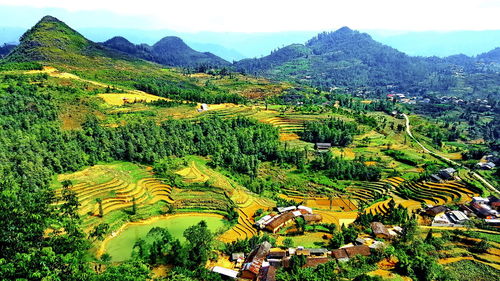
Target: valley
[[119, 166]]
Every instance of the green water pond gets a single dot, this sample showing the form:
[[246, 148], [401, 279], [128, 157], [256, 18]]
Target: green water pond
[[120, 247]]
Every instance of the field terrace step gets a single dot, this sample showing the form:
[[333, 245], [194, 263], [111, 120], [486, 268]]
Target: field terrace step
[[159, 188], [443, 190], [460, 187], [81, 189], [244, 220], [75, 188], [420, 194], [99, 193], [161, 197]]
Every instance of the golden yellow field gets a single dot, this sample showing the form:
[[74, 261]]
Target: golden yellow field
[[129, 97]]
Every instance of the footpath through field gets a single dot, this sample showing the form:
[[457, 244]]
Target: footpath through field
[[476, 175]]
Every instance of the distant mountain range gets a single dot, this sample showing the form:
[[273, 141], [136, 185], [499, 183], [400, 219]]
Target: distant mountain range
[[344, 57], [171, 51], [6, 49], [236, 46], [51, 40]]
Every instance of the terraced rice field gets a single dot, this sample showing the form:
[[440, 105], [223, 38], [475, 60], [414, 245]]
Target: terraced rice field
[[192, 174], [116, 189], [244, 228], [437, 193], [369, 191], [410, 194]]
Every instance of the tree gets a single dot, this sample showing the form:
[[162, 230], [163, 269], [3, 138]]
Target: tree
[[98, 232], [336, 241], [199, 239], [480, 247], [66, 183], [288, 242], [429, 236], [134, 206], [300, 224], [99, 205], [105, 258]]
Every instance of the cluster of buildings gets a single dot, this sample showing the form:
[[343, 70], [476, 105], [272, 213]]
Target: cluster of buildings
[[488, 162], [262, 262], [484, 208], [286, 216], [443, 216]]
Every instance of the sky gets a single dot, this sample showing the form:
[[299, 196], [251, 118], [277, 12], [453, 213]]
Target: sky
[[260, 15]]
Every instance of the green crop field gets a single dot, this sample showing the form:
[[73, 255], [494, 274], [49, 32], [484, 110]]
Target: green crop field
[[120, 247]]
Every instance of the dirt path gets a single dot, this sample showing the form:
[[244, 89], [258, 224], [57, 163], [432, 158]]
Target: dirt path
[[476, 175]]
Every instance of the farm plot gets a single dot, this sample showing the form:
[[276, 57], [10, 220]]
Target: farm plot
[[436, 193], [244, 228], [108, 190]]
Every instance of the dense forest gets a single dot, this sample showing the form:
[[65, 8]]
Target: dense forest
[[34, 149]]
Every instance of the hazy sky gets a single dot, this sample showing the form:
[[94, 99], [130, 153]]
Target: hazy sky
[[262, 15]]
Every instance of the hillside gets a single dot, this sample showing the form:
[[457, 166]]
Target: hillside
[[53, 43], [170, 51], [51, 40], [354, 60], [491, 56]]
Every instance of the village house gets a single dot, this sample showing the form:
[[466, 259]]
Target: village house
[[447, 174], [279, 221], [340, 255], [322, 146], [203, 107], [304, 208], [268, 273], [457, 217], [254, 261], [312, 218], [436, 178], [235, 257], [436, 210], [286, 209], [226, 272], [346, 253], [450, 219], [380, 231], [261, 223], [486, 166], [286, 216]]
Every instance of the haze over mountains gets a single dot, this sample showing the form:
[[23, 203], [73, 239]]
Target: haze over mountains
[[233, 46], [344, 57]]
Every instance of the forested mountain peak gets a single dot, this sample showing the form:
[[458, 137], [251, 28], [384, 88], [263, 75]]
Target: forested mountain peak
[[122, 44], [348, 41], [172, 50], [47, 37], [491, 56], [174, 43], [53, 41], [118, 40]]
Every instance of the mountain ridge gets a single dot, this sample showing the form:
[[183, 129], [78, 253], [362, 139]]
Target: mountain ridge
[[170, 51]]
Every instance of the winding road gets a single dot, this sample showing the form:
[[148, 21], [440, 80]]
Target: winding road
[[445, 159]]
